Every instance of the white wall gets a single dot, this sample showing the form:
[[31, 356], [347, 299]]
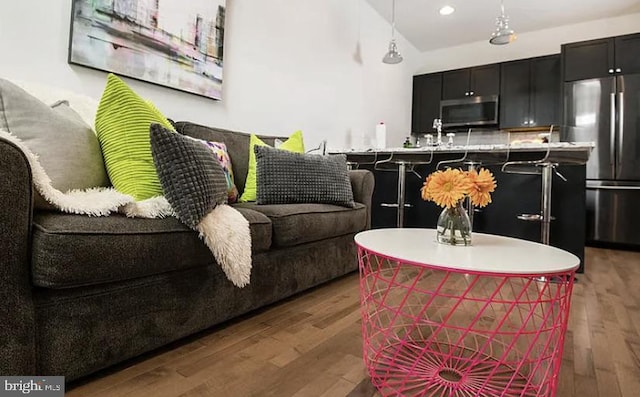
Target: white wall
[[289, 64], [529, 44]]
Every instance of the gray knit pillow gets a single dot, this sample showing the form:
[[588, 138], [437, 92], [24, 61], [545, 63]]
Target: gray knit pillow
[[284, 177], [191, 177]]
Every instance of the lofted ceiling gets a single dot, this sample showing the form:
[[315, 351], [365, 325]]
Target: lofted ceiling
[[474, 20]]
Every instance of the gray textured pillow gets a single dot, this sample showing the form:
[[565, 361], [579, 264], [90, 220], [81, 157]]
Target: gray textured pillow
[[67, 148], [284, 177], [191, 176]]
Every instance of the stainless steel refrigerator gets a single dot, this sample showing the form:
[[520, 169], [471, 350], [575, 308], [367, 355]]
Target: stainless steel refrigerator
[[607, 111]]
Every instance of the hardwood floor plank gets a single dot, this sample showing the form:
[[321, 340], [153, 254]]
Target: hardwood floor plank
[[628, 380], [311, 345], [566, 381], [585, 386], [607, 383], [135, 370], [364, 389], [339, 389]]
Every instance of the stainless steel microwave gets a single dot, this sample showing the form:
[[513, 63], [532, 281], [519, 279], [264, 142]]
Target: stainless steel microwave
[[469, 112]]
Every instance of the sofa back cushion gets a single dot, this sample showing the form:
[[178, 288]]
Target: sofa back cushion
[[237, 146], [67, 148]]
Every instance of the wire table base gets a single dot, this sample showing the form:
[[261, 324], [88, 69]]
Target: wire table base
[[431, 331]]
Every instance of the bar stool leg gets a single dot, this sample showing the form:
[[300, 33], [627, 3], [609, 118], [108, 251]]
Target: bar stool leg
[[545, 227], [402, 169], [470, 206]]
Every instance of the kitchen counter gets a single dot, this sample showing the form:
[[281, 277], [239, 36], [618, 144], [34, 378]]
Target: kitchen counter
[[518, 191], [559, 152]]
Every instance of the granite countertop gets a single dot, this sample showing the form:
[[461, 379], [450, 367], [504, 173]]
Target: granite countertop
[[521, 147], [576, 153]]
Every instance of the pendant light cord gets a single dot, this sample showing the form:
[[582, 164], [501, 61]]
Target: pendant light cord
[[393, 19]]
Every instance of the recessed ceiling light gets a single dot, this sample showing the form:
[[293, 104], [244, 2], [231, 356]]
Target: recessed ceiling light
[[447, 10]]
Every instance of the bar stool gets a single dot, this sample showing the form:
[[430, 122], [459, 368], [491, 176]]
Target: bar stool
[[545, 169], [470, 165], [403, 167]]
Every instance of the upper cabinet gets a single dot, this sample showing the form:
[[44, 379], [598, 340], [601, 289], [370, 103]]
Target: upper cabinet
[[427, 90], [485, 80], [601, 58], [627, 53], [455, 84], [588, 59], [546, 91], [530, 92], [476, 81], [514, 94]]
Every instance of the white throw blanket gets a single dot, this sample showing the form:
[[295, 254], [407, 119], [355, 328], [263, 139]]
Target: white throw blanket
[[224, 230]]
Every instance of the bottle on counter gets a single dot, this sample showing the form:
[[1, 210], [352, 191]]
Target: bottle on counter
[[407, 143], [381, 135]]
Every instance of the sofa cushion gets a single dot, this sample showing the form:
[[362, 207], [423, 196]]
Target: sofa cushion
[[295, 224], [237, 145], [65, 247]]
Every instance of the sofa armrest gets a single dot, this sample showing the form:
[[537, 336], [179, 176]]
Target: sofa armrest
[[17, 318], [362, 183]]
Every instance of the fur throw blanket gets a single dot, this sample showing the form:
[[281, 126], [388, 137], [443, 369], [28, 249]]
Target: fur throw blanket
[[225, 231]]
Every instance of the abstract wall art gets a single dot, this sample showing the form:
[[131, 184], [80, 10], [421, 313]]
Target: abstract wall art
[[173, 43]]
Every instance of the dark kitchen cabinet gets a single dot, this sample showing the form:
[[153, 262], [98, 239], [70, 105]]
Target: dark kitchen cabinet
[[627, 54], [514, 93], [476, 81], [530, 92], [546, 87], [485, 80], [588, 59], [455, 84], [427, 90], [601, 58]]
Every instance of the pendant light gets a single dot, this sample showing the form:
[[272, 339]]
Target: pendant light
[[392, 56], [503, 34]]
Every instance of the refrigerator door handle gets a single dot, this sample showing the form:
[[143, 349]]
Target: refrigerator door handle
[[620, 126], [610, 187], [612, 135]]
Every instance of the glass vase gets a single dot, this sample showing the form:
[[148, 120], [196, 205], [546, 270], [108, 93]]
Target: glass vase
[[454, 226]]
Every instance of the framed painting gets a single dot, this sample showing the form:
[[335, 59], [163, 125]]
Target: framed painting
[[173, 43]]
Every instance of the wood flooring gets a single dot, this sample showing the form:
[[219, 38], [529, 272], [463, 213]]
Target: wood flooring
[[310, 345]]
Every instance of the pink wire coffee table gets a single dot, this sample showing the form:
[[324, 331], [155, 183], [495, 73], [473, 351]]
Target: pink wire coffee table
[[484, 320]]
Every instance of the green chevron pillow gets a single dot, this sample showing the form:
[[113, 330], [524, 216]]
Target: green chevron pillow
[[122, 124]]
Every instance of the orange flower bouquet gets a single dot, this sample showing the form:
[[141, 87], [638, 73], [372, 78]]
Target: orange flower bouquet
[[448, 189]]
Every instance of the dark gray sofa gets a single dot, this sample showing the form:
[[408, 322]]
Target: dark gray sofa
[[80, 293]]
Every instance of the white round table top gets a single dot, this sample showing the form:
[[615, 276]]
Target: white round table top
[[487, 254]]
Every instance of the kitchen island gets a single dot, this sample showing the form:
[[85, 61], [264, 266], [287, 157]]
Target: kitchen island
[[517, 193]]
